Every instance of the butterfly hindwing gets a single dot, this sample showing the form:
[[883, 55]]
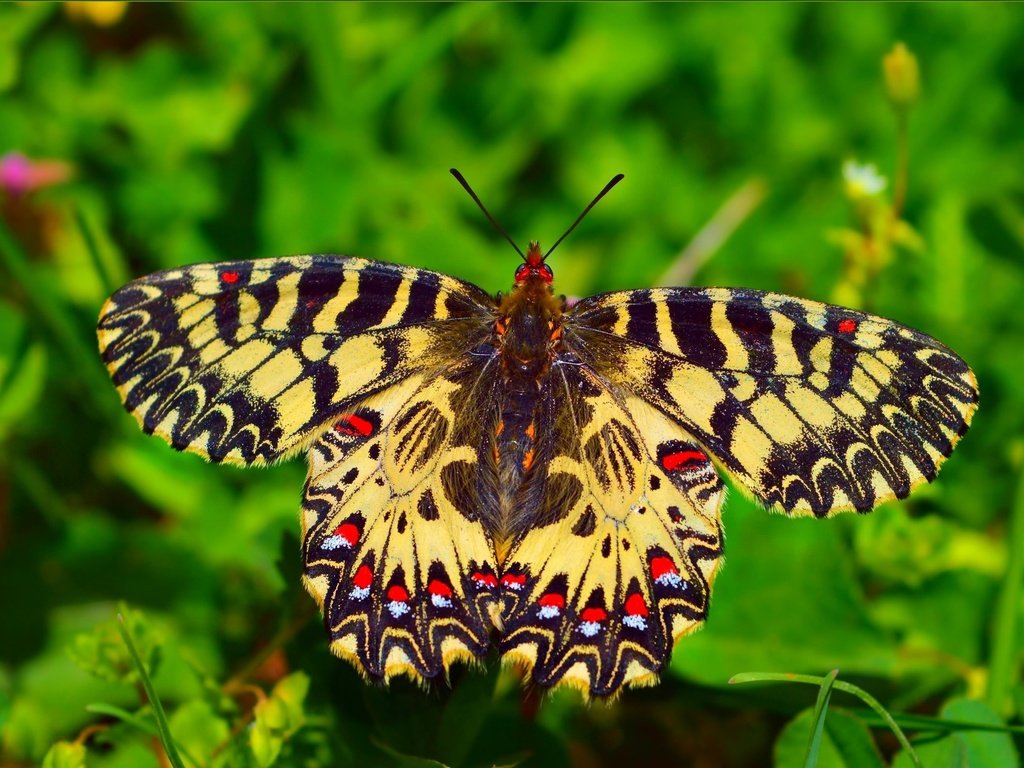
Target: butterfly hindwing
[[813, 408], [247, 361], [622, 568], [394, 552]]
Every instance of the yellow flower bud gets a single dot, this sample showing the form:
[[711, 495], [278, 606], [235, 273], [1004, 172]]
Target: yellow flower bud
[[102, 13], [902, 79]]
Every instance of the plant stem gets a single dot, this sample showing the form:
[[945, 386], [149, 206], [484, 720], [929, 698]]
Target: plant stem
[[1003, 663]]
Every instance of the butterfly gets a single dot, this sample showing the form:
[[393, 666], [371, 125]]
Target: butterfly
[[518, 470]]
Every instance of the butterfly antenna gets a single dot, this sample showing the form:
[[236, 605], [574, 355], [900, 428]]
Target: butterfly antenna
[[607, 188], [465, 185]]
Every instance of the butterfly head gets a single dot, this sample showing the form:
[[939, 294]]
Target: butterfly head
[[533, 267]]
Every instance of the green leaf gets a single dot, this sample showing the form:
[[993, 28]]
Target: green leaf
[[407, 761], [860, 693], [291, 692], [22, 369], [967, 748], [846, 742], [265, 740], [197, 728], [819, 621], [65, 754], [104, 653], [465, 714], [278, 717]]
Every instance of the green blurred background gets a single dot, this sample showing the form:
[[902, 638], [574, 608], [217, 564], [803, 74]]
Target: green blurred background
[[145, 136]]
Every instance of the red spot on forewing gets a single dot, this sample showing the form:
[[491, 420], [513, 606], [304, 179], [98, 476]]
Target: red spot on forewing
[[398, 593], [350, 424], [661, 565], [847, 326], [682, 459], [363, 577], [348, 532], [552, 600], [513, 580], [484, 579], [438, 587], [635, 605], [229, 277], [594, 614]]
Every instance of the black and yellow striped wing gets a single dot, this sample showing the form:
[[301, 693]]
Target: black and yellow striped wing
[[246, 362], [813, 408]]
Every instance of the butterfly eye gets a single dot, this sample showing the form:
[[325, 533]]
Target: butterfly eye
[[526, 271]]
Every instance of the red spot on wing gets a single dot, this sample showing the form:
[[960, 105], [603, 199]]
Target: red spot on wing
[[438, 587], [348, 532], [484, 579], [594, 614], [229, 277], [552, 600], [635, 605], [513, 579], [681, 459], [350, 424], [398, 593], [847, 326], [662, 565], [363, 577]]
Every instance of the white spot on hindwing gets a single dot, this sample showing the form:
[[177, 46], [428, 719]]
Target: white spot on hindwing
[[670, 579], [636, 622], [398, 608]]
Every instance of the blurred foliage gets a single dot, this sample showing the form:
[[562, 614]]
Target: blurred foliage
[[136, 137]]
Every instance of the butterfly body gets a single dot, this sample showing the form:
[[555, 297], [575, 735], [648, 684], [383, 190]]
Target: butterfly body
[[527, 343], [518, 471]]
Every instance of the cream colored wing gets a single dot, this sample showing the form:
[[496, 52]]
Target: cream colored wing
[[813, 408], [245, 362]]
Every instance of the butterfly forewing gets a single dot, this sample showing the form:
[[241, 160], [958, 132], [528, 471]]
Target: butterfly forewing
[[245, 362], [813, 408]]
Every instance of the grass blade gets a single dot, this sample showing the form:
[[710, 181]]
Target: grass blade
[[820, 710], [162, 726], [1005, 646]]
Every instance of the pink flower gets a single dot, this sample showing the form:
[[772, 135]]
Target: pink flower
[[19, 174]]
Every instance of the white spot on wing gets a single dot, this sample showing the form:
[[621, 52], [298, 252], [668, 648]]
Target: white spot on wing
[[636, 622]]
